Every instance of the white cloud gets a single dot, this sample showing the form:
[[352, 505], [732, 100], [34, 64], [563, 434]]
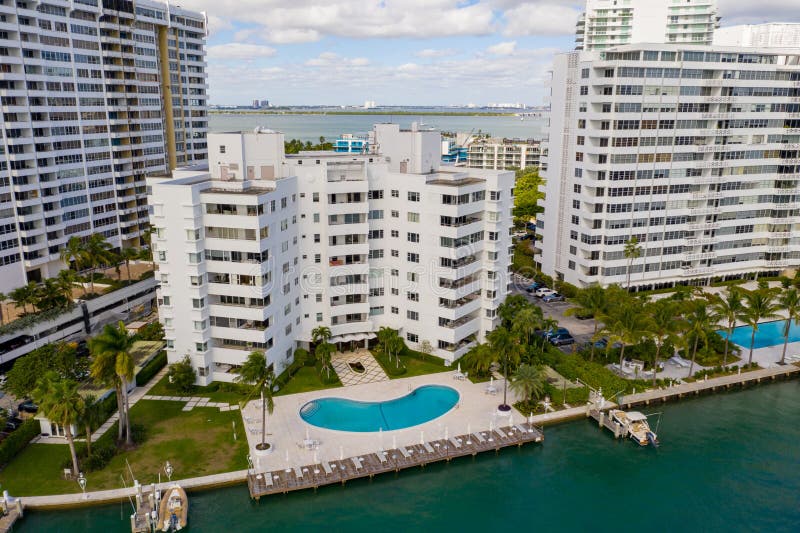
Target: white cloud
[[541, 19], [503, 49], [739, 12], [331, 59], [436, 52], [239, 51]]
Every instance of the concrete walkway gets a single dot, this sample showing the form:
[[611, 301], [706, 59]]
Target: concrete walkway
[[133, 396], [194, 401], [340, 361]]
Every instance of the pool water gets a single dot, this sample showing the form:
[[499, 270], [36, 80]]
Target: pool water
[[421, 405], [768, 334]]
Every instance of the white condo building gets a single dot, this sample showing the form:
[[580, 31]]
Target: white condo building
[[770, 35], [94, 95], [607, 23], [502, 154], [693, 150], [261, 248]]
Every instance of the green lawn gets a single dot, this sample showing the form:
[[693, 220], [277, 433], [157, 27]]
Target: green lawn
[[306, 379], [197, 443], [415, 365], [212, 392]]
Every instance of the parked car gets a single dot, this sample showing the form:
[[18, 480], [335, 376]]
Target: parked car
[[553, 332], [13, 423], [533, 286], [587, 316], [562, 339], [3, 380], [28, 407], [553, 297], [543, 291]]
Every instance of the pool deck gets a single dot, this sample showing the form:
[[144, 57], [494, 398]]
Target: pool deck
[[287, 431]]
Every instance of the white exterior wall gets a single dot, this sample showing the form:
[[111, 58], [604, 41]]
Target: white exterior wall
[[772, 35], [344, 249], [80, 133], [607, 23], [706, 193]]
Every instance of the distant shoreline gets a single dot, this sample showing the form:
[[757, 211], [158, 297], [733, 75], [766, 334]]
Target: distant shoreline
[[366, 113]]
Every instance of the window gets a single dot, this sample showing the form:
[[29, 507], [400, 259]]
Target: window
[[395, 311], [413, 296], [412, 337], [199, 325], [201, 346], [412, 315], [222, 149], [198, 303], [395, 214], [315, 197], [413, 217], [412, 257], [413, 196], [395, 193], [411, 276], [395, 233], [413, 237]]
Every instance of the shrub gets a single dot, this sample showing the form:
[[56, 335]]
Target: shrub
[[181, 375], [18, 439], [153, 331], [390, 366], [568, 290], [151, 369], [304, 358]]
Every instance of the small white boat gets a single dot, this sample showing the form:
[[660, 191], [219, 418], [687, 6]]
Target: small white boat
[[635, 423], [174, 509]]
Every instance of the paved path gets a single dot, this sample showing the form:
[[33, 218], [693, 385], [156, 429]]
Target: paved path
[[115, 495], [372, 370], [193, 401], [134, 396]]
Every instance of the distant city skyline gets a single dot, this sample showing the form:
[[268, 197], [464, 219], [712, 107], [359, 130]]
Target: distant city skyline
[[401, 52]]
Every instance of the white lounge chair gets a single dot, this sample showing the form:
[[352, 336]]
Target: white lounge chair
[[356, 462], [327, 468], [455, 442], [268, 479], [404, 452], [480, 438], [500, 432], [298, 473], [428, 447], [382, 456]]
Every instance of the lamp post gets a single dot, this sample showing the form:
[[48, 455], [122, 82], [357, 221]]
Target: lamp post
[[168, 470], [82, 483]]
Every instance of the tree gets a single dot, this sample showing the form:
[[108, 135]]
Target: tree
[[320, 334], [113, 365], [479, 358], [526, 321], [128, 255], [60, 402], [181, 375], [24, 296], [548, 324], [701, 319], [385, 335], [760, 305], [425, 348], [59, 357], [728, 307], [626, 322], [49, 295], [663, 326], [97, 252], [590, 301], [632, 251], [789, 301], [90, 417], [527, 193], [65, 281], [323, 352], [529, 380], [74, 253], [153, 331], [505, 344], [255, 372], [510, 307]]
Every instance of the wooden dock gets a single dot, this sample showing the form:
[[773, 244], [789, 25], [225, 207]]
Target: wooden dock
[[11, 513], [604, 421], [383, 461], [711, 385]]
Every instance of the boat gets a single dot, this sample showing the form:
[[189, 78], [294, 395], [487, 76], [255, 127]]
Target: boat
[[174, 509], [635, 424]]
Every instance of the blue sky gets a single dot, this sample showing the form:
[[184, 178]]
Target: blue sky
[[401, 52]]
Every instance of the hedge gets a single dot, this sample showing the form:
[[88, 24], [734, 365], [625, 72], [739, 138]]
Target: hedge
[[18, 439], [151, 369]]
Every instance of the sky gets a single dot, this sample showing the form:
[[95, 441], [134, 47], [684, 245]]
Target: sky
[[402, 52]]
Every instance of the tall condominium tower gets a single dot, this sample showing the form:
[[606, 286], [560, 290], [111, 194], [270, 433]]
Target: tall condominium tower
[[94, 95], [262, 248], [770, 35], [607, 23], [690, 150]]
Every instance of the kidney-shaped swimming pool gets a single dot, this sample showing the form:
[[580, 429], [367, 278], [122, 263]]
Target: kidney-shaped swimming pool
[[421, 405]]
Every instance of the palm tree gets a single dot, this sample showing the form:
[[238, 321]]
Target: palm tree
[[701, 319], [97, 253], [529, 381], [663, 326], [66, 281], [385, 335], [90, 417], [789, 301], [526, 321], [74, 253], [728, 307], [632, 251], [760, 306], [506, 346], [49, 295], [112, 360], [548, 324], [479, 358], [128, 255], [323, 352], [23, 296], [509, 308], [590, 301], [626, 322], [255, 372], [60, 402]]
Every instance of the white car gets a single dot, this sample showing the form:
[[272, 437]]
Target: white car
[[544, 291]]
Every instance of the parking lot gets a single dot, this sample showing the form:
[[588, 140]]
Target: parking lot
[[582, 330]]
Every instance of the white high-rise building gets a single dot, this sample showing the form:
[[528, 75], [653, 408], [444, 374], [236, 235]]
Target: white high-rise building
[[501, 154], [607, 23], [770, 35], [692, 150], [263, 247], [94, 95]]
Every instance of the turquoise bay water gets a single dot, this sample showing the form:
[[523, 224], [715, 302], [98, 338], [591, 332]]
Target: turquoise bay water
[[768, 334], [419, 406], [729, 462], [312, 127]]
